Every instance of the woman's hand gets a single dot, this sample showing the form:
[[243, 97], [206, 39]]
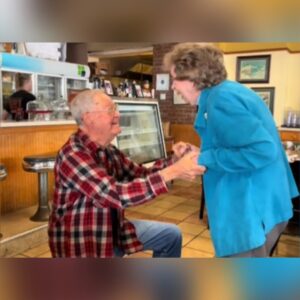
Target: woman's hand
[[182, 148]]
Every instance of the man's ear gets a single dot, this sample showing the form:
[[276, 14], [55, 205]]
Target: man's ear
[[86, 118]]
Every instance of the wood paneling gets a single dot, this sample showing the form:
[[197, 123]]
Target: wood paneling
[[287, 135], [20, 189], [185, 133]]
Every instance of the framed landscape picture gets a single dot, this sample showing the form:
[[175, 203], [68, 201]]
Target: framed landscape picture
[[267, 95], [253, 69]]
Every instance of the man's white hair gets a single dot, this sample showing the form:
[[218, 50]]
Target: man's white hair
[[82, 103]]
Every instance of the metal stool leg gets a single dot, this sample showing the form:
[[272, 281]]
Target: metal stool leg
[[43, 210]]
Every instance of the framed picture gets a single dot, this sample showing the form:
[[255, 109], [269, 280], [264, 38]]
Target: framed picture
[[138, 89], [253, 69], [162, 82], [177, 99], [108, 87], [267, 95]]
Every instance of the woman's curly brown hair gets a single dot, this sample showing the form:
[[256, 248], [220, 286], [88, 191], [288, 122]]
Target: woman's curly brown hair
[[199, 63]]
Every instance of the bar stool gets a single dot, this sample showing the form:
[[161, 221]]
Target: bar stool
[[3, 175], [41, 164]]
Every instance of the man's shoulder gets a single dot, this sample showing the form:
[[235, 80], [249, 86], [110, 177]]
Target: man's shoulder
[[23, 94], [72, 145]]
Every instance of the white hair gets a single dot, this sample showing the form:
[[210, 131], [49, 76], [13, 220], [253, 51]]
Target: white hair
[[82, 103]]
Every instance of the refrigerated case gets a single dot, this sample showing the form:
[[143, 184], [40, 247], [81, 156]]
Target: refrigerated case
[[51, 80], [49, 87], [142, 136]]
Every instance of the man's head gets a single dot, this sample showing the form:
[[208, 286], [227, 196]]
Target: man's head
[[97, 115], [24, 82], [194, 67]]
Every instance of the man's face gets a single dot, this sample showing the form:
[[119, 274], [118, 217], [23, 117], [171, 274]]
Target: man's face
[[103, 118], [185, 88]]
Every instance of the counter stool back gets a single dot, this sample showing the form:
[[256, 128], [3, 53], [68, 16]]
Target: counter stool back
[[41, 164], [3, 175]]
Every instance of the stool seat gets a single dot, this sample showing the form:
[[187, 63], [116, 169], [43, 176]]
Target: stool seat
[[39, 163], [3, 172]]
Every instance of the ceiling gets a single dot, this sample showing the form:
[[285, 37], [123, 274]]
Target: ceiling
[[106, 50]]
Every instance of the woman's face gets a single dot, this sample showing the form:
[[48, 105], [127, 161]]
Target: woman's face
[[185, 88]]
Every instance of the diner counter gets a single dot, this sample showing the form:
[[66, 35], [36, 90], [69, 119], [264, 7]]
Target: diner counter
[[6, 124], [289, 129], [20, 139]]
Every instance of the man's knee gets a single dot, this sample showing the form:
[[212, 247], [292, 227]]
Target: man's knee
[[174, 232]]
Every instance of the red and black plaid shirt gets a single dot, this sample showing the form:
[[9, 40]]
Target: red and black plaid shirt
[[90, 181]]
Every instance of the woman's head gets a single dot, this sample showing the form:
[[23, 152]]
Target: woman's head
[[202, 64]]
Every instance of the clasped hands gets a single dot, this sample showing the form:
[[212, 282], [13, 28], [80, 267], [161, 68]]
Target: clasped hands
[[185, 165], [186, 156]]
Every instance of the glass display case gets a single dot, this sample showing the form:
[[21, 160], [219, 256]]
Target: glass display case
[[75, 84], [49, 88], [142, 136], [51, 83]]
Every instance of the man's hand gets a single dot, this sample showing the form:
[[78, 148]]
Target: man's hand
[[185, 168]]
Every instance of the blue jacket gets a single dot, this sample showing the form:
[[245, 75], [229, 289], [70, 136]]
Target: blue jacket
[[248, 183]]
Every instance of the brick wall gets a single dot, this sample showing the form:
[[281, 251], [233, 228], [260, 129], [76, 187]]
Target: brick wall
[[176, 114]]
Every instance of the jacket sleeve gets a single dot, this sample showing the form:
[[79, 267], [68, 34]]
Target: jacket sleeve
[[241, 141]]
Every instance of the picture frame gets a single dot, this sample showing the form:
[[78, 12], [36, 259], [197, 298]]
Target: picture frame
[[253, 69], [139, 92], [108, 88], [162, 82], [267, 94], [177, 98]]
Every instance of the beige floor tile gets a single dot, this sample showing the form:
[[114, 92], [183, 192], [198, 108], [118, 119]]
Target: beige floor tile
[[201, 244], [192, 202], [37, 251], [175, 199], [20, 256], [165, 219], [18, 222], [141, 254], [138, 215], [206, 233], [192, 253], [287, 250], [166, 204], [290, 239], [194, 229], [177, 215], [186, 238], [194, 219], [186, 208], [45, 255], [152, 210]]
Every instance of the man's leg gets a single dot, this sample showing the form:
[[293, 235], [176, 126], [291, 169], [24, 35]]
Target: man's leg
[[164, 239]]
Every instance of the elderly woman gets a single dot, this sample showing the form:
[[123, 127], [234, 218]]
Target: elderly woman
[[248, 183]]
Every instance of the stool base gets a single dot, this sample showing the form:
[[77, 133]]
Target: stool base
[[41, 215]]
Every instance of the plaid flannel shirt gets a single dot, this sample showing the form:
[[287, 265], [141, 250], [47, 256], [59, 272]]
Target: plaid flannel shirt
[[89, 182]]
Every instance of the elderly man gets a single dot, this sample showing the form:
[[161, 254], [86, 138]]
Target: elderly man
[[94, 182]]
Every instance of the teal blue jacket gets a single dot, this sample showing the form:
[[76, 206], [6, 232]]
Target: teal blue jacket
[[248, 183]]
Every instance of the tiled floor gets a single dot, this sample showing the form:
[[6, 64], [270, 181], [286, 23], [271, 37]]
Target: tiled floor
[[181, 207]]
